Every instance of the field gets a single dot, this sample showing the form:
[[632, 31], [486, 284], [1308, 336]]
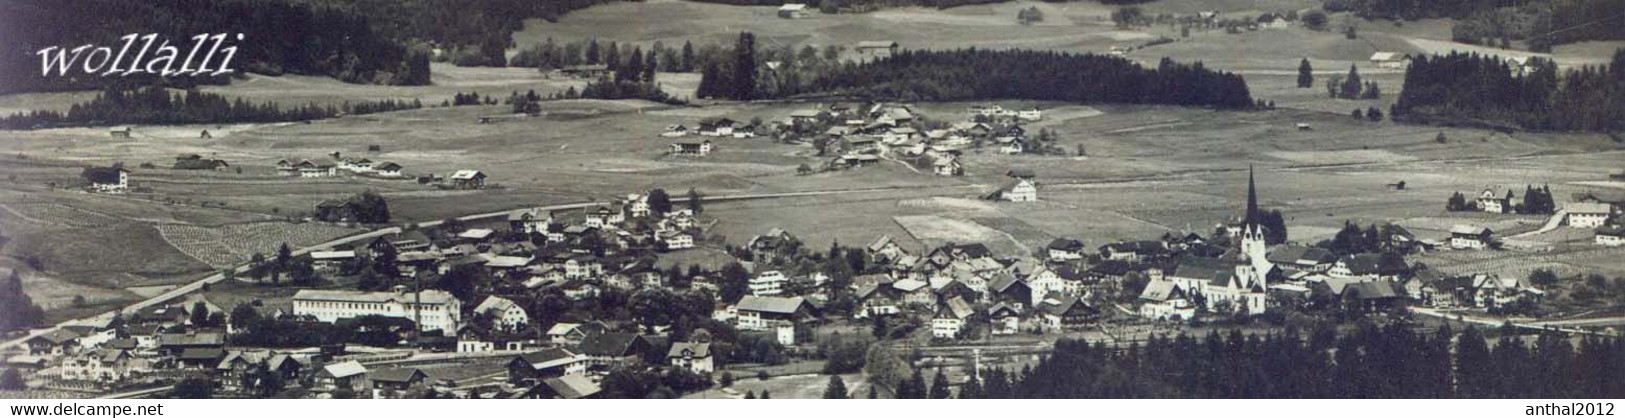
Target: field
[[235, 244]]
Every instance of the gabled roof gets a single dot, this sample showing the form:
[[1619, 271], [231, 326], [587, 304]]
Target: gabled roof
[[1066, 244], [771, 304], [956, 308], [1364, 264], [877, 44], [397, 375], [1299, 254], [494, 304], [1469, 230], [549, 358], [57, 337], [1161, 291], [696, 350], [203, 354], [345, 369], [1588, 208], [609, 344], [572, 386]]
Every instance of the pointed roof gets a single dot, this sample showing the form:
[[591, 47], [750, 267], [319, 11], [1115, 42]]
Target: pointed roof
[[1252, 217]]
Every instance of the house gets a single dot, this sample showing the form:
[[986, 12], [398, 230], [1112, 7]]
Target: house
[[564, 387], [608, 350], [1610, 236], [886, 248], [1588, 215], [951, 318], [309, 169], [1271, 20], [674, 131], [1032, 115], [395, 380], [330, 261], [1165, 301], [717, 127], [793, 11], [528, 221], [675, 240], [107, 365], [1133, 251], [356, 165], [388, 169], [1067, 312], [503, 312], [1392, 60], [1491, 202], [1302, 258], [201, 358], [349, 375], [433, 309], [120, 131], [570, 333], [177, 344], [781, 315], [1489, 290], [1004, 318], [875, 50], [768, 283], [1373, 296], [108, 179], [878, 298], [1470, 237], [1065, 249], [691, 148], [1010, 146], [947, 166], [1017, 190], [55, 343], [1011, 290], [1384, 266], [692, 356], [468, 179], [549, 363]]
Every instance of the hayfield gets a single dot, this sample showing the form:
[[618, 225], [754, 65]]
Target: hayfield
[[229, 245]]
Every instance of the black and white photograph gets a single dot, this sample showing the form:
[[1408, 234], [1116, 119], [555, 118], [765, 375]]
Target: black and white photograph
[[285, 202]]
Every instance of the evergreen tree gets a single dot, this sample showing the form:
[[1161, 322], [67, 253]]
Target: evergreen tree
[[836, 388], [1351, 84], [17, 309], [687, 65], [939, 386], [743, 82], [1306, 74], [695, 201], [11, 381]]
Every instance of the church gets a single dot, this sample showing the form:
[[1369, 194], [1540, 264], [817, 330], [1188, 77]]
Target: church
[[1239, 278]]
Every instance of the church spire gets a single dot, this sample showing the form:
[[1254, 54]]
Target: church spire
[[1251, 218]]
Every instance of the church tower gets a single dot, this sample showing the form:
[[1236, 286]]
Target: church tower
[[1253, 245]]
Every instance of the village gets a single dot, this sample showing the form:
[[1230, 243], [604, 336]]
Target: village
[[570, 303]]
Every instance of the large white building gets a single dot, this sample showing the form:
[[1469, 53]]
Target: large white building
[[769, 283], [433, 309]]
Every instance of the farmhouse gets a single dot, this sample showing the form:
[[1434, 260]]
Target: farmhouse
[[1393, 60], [947, 166], [388, 169], [768, 283], [1017, 190], [592, 71], [1491, 202], [766, 313], [565, 387], [107, 179], [717, 127], [1064, 249], [468, 179], [691, 356], [1164, 300], [549, 363], [1302, 258], [793, 11], [874, 50], [437, 309], [197, 162], [503, 312], [951, 317], [1611, 236], [349, 375], [1588, 215], [1370, 266], [331, 261], [309, 169], [692, 148], [1470, 237], [613, 349]]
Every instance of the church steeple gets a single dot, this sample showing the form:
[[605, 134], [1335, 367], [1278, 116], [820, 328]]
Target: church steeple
[[1251, 218]]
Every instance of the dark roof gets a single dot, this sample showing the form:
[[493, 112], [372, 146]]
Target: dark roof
[[1111, 268], [609, 344], [1290, 254], [103, 175], [1066, 244], [1373, 290], [203, 354], [1137, 247], [1024, 173], [397, 375]]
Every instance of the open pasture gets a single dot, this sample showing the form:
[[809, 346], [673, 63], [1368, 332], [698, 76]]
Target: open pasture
[[230, 245]]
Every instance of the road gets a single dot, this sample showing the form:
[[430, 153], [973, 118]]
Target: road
[[1551, 224], [188, 288], [1497, 322]]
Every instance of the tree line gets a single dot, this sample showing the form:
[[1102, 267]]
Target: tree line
[[17, 310], [1386, 362], [1542, 25], [282, 37], [1485, 90], [156, 105], [979, 74]]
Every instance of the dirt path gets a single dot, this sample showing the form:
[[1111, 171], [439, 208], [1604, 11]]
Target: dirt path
[[1551, 225]]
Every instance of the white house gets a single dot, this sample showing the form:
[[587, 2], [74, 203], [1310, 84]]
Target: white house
[[503, 312], [768, 283], [1611, 236], [1017, 190], [1163, 300], [950, 318], [108, 179], [1588, 215], [793, 11], [437, 309], [694, 357], [1392, 60], [1470, 237]]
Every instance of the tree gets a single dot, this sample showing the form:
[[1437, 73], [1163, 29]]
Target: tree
[[836, 388], [1351, 84], [687, 64], [695, 201], [939, 386], [11, 381], [1374, 114], [193, 388], [914, 387], [873, 392], [1306, 74], [659, 201], [17, 309], [750, 394], [735, 282], [744, 68]]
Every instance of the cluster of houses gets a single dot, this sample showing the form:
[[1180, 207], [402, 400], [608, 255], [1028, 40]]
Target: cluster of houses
[[305, 168], [1601, 211]]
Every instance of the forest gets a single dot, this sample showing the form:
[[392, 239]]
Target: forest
[[469, 32], [281, 38], [155, 105], [976, 74], [1541, 23], [1484, 90], [1387, 362]]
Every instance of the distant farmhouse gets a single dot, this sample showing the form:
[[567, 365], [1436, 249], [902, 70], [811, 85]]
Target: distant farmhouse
[[875, 50], [793, 11], [107, 179]]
